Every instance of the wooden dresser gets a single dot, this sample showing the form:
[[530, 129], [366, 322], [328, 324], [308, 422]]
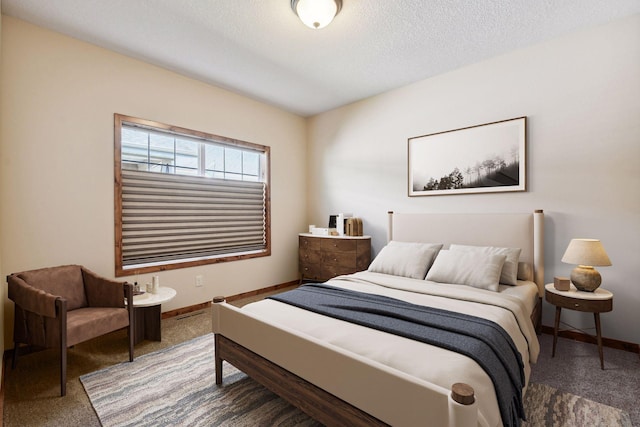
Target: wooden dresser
[[323, 257]]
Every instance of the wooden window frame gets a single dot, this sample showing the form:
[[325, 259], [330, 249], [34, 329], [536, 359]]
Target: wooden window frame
[[120, 269]]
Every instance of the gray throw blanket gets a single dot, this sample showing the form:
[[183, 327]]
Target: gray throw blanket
[[482, 340]]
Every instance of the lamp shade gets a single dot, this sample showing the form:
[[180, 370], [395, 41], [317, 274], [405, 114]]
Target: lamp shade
[[586, 252], [316, 14]]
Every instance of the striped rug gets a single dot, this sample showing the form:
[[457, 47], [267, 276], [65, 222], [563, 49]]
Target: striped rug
[[176, 387]]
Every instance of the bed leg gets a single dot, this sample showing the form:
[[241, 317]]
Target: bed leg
[[463, 410], [217, 349], [218, 361]]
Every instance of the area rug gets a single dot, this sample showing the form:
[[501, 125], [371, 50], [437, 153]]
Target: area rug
[[546, 406], [176, 387]]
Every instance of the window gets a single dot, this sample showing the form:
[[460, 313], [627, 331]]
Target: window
[[185, 198]]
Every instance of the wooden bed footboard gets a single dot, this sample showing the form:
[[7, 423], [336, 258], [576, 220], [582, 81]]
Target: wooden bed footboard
[[315, 402], [401, 401]]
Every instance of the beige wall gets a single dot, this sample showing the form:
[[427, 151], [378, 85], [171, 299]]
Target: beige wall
[[581, 94], [56, 196]]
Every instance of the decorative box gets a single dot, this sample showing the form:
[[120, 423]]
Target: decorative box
[[561, 283]]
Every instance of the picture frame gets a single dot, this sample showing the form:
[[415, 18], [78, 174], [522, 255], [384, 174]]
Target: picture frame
[[487, 158]]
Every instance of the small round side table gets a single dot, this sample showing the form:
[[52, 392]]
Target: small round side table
[[596, 302], [147, 314]]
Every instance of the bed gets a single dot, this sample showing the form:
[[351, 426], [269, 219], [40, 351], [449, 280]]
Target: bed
[[344, 373]]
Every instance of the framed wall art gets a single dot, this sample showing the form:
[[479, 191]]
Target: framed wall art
[[486, 158]]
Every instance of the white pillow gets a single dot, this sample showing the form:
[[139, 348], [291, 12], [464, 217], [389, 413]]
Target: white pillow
[[405, 259], [467, 268], [509, 275], [429, 248]]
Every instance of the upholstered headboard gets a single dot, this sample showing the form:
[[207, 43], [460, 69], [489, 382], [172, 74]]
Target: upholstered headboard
[[513, 230]]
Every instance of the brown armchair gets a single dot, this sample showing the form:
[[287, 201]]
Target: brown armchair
[[66, 305]]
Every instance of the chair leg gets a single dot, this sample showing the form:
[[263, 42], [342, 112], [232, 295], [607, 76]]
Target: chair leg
[[61, 304], [132, 321], [63, 370], [131, 337]]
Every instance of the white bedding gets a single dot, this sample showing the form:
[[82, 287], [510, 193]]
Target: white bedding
[[510, 307]]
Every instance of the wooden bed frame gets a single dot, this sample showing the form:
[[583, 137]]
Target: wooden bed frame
[[322, 380]]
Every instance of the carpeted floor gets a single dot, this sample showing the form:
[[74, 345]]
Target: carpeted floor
[[576, 369], [173, 387], [32, 389]]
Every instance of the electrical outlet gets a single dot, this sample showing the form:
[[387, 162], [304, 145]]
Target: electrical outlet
[[199, 280]]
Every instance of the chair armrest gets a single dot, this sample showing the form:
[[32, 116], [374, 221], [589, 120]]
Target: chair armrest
[[102, 292], [30, 298], [128, 296]]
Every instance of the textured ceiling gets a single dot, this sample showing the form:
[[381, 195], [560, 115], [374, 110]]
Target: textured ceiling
[[259, 48]]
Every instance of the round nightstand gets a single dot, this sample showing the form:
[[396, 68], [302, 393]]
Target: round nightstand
[[596, 302]]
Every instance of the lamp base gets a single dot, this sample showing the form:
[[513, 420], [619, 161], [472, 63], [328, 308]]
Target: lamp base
[[586, 278]]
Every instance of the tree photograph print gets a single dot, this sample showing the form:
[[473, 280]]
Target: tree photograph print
[[477, 159]]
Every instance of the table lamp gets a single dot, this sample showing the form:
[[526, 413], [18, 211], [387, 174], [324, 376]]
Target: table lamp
[[586, 253]]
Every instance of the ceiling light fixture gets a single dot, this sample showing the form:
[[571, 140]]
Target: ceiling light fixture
[[316, 14]]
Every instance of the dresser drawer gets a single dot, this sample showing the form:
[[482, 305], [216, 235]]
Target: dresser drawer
[[346, 260], [310, 256], [308, 243], [322, 258], [314, 272], [579, 304], [338, 245]]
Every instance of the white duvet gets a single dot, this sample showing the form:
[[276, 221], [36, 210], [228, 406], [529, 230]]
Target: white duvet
[[510, 308]]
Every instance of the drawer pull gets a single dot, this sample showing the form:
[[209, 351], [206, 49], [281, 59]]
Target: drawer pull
[[576, 305]]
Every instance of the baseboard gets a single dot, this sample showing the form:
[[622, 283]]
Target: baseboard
[[204, 305], [606, 342], [186, 310], [261, 291]]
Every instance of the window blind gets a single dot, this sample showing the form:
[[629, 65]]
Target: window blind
[[169, 217]]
